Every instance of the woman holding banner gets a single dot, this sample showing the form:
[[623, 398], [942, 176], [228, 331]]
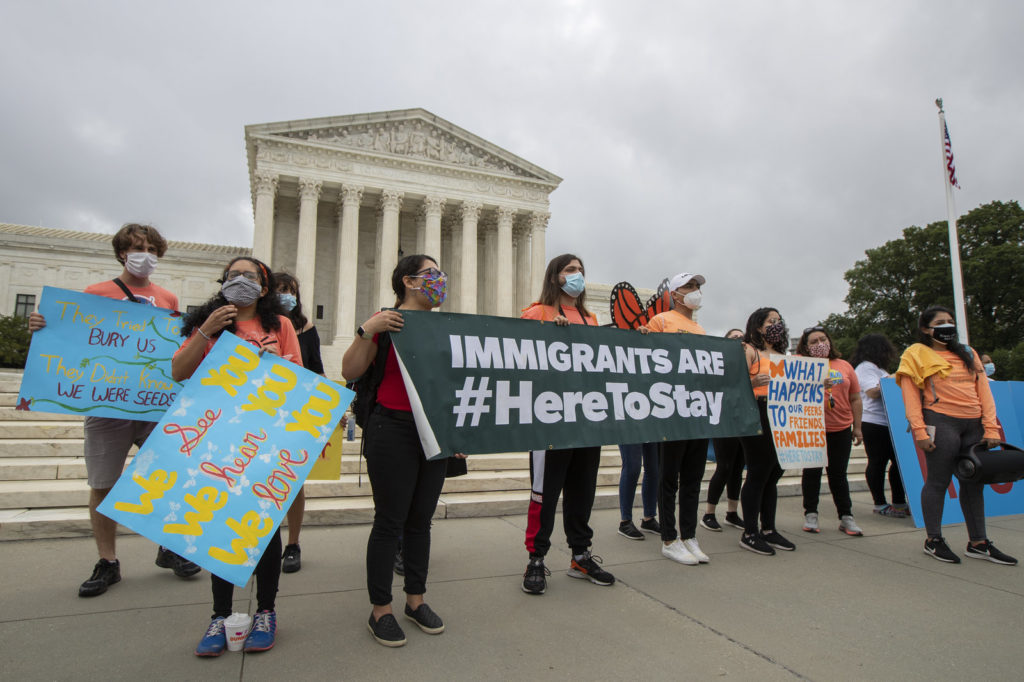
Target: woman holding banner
[[766, 333], [406, 485], [572, 471], [248, 306], [728, 476], [842, 431], [950, 409]]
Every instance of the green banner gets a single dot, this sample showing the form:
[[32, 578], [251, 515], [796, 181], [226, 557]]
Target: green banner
[[482, 384]]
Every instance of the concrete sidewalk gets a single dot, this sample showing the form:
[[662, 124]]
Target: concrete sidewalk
[[838, 608]]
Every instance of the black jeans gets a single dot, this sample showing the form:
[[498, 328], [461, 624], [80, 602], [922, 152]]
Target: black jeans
[[680, 467], [406, 487], [878, 446], [728, 474], [952, 437], [838, 445], [268, 575], [760, 494], [571, 473]]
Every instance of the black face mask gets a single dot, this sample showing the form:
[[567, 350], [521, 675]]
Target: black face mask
[[944, 333]]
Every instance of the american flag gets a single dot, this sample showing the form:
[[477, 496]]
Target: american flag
[[950, 166]]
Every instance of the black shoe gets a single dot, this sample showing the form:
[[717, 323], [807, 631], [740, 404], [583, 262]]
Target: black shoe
[[940, 550], [399, 563], [104, 574], [733, 519], [182, 567], [386, 630], [756, 544], [291, 560], [588, 568], [425, 617], [651, 526], [534, 579], [710, 522], [628, 530], [773, 538], [987, 550]]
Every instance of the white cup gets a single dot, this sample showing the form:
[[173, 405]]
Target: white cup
[[236, 628]]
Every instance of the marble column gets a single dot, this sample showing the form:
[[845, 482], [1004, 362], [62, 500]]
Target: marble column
[[432, 209], [421, 231], [387, 255], [538, 260], [470, 214], [521, 241], [504, 278], [450, 246], [265, 189], [305, 249], [348, 265]]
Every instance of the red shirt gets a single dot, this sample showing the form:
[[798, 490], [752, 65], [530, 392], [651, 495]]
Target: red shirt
[[391, 392]]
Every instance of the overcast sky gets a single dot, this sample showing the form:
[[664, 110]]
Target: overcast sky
[[765, 145]]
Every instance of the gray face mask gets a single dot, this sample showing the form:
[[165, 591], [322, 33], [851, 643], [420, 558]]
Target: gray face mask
[[241, 291]]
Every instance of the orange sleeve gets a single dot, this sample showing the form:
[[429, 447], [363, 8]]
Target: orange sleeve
[[912, 406], [656, 324], [534, 312], [289, 342]]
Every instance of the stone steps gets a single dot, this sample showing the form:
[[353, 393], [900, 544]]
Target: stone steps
[[8, 414]]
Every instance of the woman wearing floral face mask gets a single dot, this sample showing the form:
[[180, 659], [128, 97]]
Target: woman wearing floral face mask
[[842, 411]]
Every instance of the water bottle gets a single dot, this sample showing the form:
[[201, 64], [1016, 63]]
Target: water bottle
[[350, 432]]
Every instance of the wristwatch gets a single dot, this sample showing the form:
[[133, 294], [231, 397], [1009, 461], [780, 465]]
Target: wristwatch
[[361, 332]]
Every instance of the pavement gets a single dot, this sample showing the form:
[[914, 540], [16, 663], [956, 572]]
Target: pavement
[[838, 608]]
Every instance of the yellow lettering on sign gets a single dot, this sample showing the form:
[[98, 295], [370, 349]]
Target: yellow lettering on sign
[[316, 412], [206, 501], [235, 372], [158, 483], [272, 394], [249, 530]]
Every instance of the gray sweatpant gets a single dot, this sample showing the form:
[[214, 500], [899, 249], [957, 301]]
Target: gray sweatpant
[[952, 436]]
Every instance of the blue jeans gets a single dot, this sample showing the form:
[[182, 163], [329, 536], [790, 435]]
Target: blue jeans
[[632, 457]]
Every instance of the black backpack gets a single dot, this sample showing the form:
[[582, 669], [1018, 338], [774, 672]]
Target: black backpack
[[366, 386]]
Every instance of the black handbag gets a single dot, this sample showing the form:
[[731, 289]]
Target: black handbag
[[980, 465]]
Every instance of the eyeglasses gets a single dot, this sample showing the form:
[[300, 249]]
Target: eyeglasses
[[432, 273], [819, 328], [248, 274]]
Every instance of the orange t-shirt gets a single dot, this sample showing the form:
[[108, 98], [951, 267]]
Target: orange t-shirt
[[282, 342], [759, 366], [151, 294], [674, 321], [844, 384], [546, 313], [962, 394]]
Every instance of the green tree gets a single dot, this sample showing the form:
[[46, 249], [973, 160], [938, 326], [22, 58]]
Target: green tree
[[14, 340]]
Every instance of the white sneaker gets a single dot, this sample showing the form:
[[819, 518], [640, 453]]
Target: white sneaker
[[849, 526], [677, 552], [694, 549], [811, 523]]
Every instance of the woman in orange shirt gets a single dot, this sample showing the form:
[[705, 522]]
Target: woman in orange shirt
[[945, 391]]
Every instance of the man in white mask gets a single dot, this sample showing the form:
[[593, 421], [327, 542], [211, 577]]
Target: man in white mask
[[108, 441]]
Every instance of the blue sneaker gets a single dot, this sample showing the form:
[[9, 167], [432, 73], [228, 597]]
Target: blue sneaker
[[264, 629], [214, 641]]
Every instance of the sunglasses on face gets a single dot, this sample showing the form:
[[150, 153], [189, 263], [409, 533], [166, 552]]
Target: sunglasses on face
[[813, 329], [248, 274]]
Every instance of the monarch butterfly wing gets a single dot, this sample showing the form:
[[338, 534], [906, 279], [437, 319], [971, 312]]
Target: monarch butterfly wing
[[661, 300], [626, 308]]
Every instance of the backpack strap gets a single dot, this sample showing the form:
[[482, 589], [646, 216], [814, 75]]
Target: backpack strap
[[126, 290]]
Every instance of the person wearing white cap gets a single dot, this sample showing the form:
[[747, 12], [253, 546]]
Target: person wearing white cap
[[681, 463]]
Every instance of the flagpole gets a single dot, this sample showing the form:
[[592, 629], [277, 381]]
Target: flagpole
[[954, 242]]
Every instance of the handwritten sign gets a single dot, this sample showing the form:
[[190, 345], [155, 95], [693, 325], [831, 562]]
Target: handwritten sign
[[101, 357], [796, 412], [328, 465], [220, 470]]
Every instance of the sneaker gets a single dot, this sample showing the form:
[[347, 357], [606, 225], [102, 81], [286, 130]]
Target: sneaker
[[182, 567], [399, 563], [710, 522], [651, 526], [104, 574], [849, 526], [677, 551], [891, 511], [733, 519], [628, 530], [694, 549], [214, 641], [811, 523], [425, 617], [987, 550], [386, 630], [776, 540], [264, 630], [756, 544], [291, 560], [535, 578], [940, 550], [588, 568]]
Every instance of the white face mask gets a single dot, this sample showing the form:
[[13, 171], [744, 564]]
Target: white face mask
[[692, 300], [140, 264]]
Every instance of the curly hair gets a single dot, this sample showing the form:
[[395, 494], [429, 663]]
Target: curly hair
[[550, 290], [754, 336], [876, 349], [957, 348], [129, 232], [268, 307], [802, 349], [290, 284]]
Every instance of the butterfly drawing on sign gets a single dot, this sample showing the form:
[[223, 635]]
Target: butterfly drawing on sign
[[629, 312]]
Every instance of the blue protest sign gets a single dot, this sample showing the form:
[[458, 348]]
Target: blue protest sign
[[101, 357], [220, 470]]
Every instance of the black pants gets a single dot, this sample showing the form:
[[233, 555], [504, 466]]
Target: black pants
[[406, 487], [571, 473], [728, 474], [838, 445], [268, 575], [760, 493], [878, 446], [680, 467], [953, 436]]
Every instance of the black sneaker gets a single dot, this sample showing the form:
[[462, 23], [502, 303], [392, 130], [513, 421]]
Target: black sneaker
[[733, 519], [987, 550], [399, 563], [182, 567], [291, 560], [651, 526], [940, 550], [588, 568], [425, 617], [628, 530], [386, 630], [756, 544], [774, 539], [710, 522], [104, 574], [534, 579]]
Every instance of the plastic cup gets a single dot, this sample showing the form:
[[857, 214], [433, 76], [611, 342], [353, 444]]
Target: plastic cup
[[236, 628]]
